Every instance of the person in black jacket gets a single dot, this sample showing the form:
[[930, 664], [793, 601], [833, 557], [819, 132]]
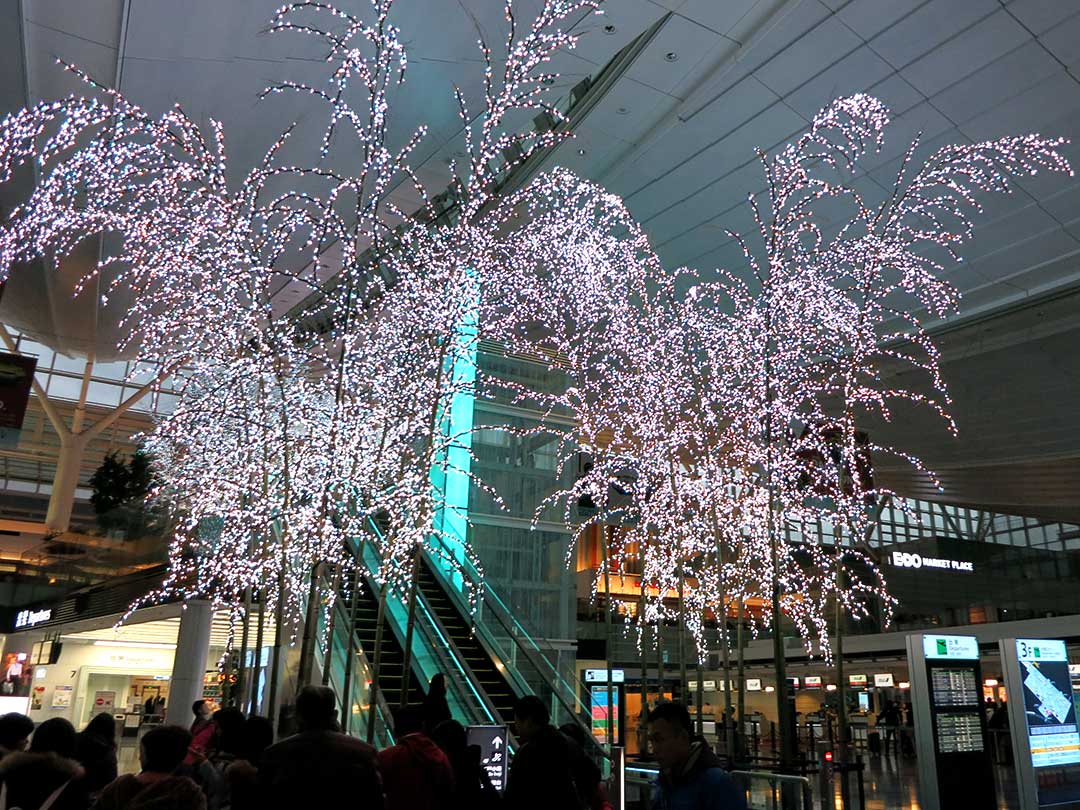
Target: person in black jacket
[[541, 775], [157, 787], [46, 775], [319, 765], [436, 709], [95, 750]]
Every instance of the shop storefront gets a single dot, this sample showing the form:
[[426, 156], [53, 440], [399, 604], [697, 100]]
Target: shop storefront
[[73, 660]]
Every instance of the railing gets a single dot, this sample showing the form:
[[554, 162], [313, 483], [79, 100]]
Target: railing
[[508, 642], [763, 790], [357, 703]]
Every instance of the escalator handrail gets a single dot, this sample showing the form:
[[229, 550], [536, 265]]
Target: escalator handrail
[[363, 669], [505, 618], [442, 645]]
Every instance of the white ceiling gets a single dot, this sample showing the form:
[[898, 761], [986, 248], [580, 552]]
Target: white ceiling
[[674, 135]]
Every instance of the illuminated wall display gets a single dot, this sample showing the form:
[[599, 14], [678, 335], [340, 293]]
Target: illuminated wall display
[[753, 684], [812, 681], [857, 680], [1048, 704], [30, 618], [964, 648], [883, 680]]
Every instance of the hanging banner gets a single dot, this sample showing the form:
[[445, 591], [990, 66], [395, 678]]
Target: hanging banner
[[16, 375]]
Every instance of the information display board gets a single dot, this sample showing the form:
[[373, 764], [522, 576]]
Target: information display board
[[599, 712], [954, 758], [493, 756], [1049, 711]]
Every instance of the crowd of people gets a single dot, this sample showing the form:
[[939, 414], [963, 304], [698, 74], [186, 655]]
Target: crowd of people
[[228, 761]]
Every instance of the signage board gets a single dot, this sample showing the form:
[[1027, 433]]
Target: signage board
[[710, 686], [61, 698], [31, 618], [16, 376], [691, 685], [812, 682], [601, 676], [1049, 710], [954, 754], [856, 680], [883, 680], [961, 648], [904, 559], [753, 684], [599, 713], [493, 756]]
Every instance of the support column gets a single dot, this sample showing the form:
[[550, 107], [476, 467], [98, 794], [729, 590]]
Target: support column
[[62, 499], [189, 665]]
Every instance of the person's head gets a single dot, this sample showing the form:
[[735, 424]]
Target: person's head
[[229, 730], [316, 709], [450, 736], [15, 730], [201, 710], [437, 686], [530, 716], [408, 720], [102, 725], [55, 736], [258, 736], [575, 733], [163, 749], [670, 732]]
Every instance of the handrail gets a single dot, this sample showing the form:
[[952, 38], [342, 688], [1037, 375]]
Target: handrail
[[474, 702], [516, 632], [362, 669]]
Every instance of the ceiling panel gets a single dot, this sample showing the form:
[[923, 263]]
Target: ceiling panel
[[867, 18], [987, 40], [928, 27], [828, 43], [1041, 15], [855, 73]]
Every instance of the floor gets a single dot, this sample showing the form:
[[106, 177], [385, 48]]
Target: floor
[[892, 783]]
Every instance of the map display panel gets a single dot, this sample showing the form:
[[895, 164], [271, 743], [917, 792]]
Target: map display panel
[[1049, 711]]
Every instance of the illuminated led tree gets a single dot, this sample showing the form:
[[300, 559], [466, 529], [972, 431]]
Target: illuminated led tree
[[286, 443]]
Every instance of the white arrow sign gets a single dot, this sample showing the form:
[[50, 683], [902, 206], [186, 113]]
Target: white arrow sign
[[497, 742]]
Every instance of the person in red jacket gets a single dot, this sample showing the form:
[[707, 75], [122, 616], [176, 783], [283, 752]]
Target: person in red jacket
[[416, 774]]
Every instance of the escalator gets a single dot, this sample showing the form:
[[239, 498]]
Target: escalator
[[392, 657], [486, 672]]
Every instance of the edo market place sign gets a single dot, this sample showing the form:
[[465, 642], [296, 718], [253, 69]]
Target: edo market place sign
[[904, 559]]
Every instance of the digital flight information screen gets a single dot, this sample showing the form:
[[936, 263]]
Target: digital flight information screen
[[1049, 710]]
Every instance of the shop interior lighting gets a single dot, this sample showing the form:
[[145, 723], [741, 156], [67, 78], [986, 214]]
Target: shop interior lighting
[[904, 685], [147, 645], [990, 682], [831, 687]]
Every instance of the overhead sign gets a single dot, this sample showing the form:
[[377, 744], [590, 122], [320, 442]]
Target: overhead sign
[[16, 375], [904, 559], [753, 684], [601, 676], [492, 743], [856, 680], [812, 681], [883, 680], [1048, 702], [965, 648], [710, 686], [29, 618]]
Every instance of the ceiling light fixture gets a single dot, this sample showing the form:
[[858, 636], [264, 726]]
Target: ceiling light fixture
[[671, 56], [610, 29], [622, 110]]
